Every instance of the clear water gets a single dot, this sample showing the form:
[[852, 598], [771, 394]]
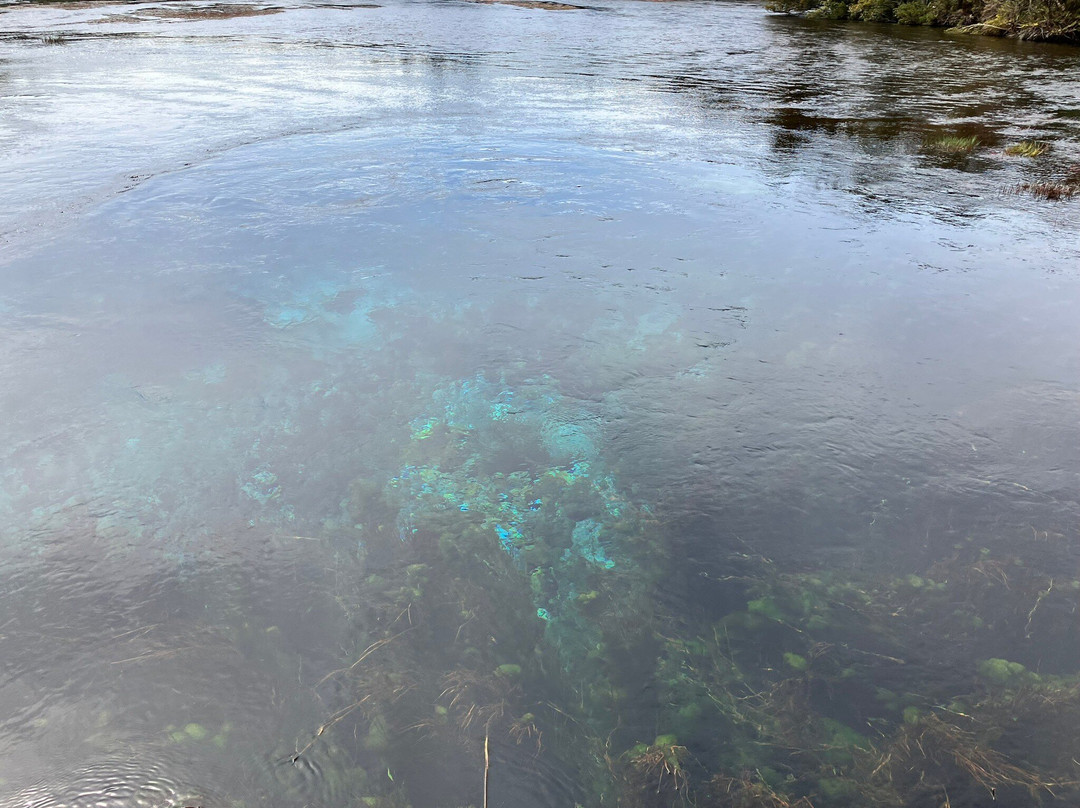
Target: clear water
[[279, 293]]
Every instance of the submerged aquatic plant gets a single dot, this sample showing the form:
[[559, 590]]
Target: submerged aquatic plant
[[510, 577], [930, 752], [659, 767], [513, 601], [752, 790], [1050, 191], [475, 699], [1065, 188]]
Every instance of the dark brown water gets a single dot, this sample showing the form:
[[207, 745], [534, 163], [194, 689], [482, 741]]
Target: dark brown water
[[280, 292]]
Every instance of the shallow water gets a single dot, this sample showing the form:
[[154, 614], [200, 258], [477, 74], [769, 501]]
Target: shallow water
[[257, 269]]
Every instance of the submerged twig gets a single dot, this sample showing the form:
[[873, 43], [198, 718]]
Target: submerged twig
[[1031, 614], [487, 766], [346, 711], [335, 718], [168, 652], [371, 649]]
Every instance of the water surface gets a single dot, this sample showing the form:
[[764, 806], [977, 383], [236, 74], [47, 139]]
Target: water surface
[[664, 302]]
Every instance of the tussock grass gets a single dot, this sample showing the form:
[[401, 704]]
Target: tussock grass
[[953, 144], [1028, 148]]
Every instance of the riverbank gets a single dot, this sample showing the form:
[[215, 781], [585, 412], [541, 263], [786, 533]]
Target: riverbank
[[1041, 20], [1034, 20]]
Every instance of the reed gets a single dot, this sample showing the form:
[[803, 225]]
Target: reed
[[1028, 148], [953, 144]]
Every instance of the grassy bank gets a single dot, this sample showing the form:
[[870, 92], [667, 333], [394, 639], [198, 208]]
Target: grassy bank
[[1047, 20]]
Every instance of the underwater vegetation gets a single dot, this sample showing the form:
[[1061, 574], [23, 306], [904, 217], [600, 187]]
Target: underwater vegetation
[[513, 610], [1047, 164], [1054, 190]]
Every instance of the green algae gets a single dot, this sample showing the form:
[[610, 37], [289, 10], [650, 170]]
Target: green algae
[[196, 732], [1002, 672], [520, 604], [837, 789], [795, 661], [765, 607], [378, 736]]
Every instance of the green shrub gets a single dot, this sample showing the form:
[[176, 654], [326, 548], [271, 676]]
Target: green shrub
[[916, 12], [873, 10], [1057, 20]]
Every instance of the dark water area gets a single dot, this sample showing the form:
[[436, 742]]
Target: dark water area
[[448, 403]]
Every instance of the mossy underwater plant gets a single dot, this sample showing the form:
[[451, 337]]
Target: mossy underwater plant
[[515, 610], [501, 595]]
